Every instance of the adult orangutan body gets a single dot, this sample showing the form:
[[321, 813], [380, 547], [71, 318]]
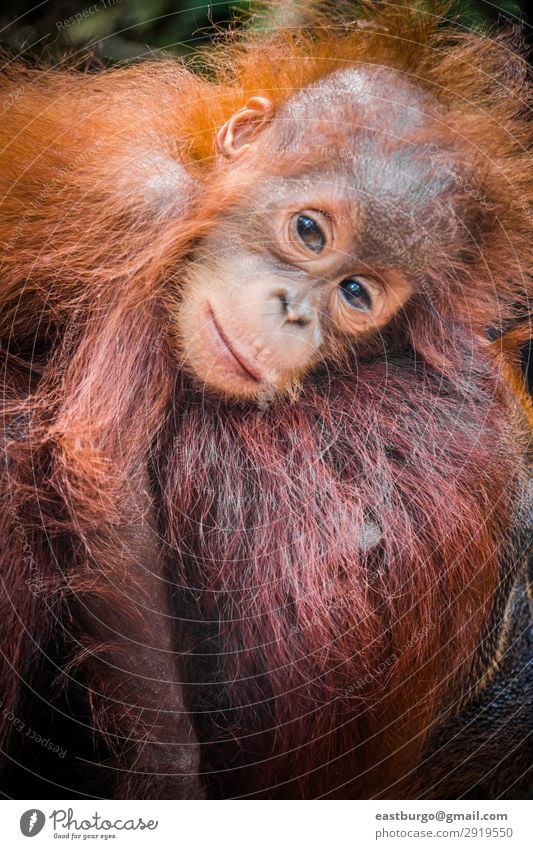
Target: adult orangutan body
[[264, 474]]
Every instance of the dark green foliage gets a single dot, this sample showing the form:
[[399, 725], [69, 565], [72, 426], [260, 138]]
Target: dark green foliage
[[121, 30]]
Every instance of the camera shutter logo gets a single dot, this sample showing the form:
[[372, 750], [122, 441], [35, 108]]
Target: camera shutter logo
[[32, 822]]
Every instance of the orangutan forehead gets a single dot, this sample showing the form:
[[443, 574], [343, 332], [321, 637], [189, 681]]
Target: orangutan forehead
[[405, 205], [365, 96], [372, 121], [370, 147]]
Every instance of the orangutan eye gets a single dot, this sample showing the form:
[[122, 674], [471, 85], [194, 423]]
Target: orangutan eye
[[356, 294], [310, 233]]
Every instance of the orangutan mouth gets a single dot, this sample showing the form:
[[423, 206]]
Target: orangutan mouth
[[245, 368]]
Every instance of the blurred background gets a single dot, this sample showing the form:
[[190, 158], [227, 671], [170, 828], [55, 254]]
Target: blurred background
[[115, 31]]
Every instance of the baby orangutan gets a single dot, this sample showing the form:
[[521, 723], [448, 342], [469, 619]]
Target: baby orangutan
[[264, 473], [310, 269]]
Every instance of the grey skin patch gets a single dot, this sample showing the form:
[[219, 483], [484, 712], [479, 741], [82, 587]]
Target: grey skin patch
[[369, 537], [396, 102], [162, 180]]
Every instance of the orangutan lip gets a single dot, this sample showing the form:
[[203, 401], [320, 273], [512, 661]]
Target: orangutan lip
[[244, 366]]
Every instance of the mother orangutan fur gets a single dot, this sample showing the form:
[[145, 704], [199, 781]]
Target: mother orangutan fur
[[317, 650], [334, 560]]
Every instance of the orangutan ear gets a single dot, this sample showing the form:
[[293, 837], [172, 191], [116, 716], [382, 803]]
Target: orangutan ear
[[234, 138]]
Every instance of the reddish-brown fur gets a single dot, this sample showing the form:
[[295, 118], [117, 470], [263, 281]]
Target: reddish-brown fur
[[344, 658], [314, 664]]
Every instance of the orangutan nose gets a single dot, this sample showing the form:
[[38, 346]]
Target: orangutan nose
[[288, 333], [294, 310]]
